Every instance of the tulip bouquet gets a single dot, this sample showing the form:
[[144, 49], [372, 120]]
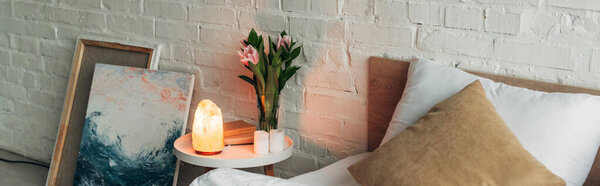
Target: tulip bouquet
[[271, 69]]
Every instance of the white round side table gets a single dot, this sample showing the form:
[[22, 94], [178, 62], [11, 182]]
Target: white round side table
[[238, 156]]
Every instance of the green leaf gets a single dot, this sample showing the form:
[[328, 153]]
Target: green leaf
[[270, 50], [260, 80], [263, 62], [272, 88], [291, 72], [287, 63], [247, 79], [295, 52], [287, 74], [259, 43], [286, 50], [253, 38], [276, 60]]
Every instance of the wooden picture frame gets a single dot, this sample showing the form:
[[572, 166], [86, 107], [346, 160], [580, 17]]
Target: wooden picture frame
[[88, 52]]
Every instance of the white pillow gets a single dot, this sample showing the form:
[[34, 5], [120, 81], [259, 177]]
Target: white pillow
[[561, 130]]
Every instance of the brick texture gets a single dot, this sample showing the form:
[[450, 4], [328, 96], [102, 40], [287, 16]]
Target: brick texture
[[502, 22], [576, 4], [453, 42], [464, 17], [324, 107], [425, 14]]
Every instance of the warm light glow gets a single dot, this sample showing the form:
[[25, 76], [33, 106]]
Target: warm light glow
[[207, 132]]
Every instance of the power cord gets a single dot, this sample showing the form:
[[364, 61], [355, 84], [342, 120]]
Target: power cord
[[24, 162]]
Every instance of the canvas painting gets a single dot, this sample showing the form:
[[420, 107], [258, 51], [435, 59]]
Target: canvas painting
[[133, 117]]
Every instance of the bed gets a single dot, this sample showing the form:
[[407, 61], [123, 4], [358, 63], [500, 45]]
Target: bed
[[387, 79]]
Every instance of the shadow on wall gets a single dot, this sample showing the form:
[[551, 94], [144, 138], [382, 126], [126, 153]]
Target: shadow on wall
[[312, 119], [304, 126]]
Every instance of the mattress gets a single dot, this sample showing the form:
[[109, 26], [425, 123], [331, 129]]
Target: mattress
[[334, 174]]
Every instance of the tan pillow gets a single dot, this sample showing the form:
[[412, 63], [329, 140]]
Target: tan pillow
[[461, 141]]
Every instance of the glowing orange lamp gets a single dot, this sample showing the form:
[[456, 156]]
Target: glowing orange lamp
[[207, 131]]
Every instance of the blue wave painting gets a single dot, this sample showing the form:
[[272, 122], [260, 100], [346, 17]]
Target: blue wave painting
[[133, 117]]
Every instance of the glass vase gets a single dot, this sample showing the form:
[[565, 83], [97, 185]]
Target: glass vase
[[268, 111]]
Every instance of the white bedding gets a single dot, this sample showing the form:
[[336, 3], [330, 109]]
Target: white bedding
[[231, 177], [334, 174]]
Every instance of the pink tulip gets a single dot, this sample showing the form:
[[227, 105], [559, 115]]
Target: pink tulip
[[244, 42], [285, 41], [248, 53]]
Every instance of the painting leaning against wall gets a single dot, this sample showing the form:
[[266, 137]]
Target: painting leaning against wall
[[133, 117]]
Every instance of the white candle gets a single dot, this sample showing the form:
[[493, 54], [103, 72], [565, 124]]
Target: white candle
[[261, 142], [277, 143]]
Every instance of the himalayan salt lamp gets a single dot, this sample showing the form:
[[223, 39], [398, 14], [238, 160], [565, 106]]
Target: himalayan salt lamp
[[207, 130]]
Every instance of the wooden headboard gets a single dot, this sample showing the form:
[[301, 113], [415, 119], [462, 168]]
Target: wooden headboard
[[386, 83]]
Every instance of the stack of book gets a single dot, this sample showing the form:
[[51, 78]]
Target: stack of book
[[238, 132]]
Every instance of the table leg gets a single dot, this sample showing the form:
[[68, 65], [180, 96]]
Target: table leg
[[206, 169], [269, 170]]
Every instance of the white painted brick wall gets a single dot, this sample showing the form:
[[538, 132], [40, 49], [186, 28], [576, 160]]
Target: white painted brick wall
[[453, 42], [385, 35], [576, 4], [325, 7], [323, 107], [425, 14], [294, 6], [534, 54], [502, 22], [356, 7], [214, 15], [595, 66], [162, 9], [394, 12], [464, 17]]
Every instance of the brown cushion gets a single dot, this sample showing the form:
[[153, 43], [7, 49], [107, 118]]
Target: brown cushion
[[461, 141]]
